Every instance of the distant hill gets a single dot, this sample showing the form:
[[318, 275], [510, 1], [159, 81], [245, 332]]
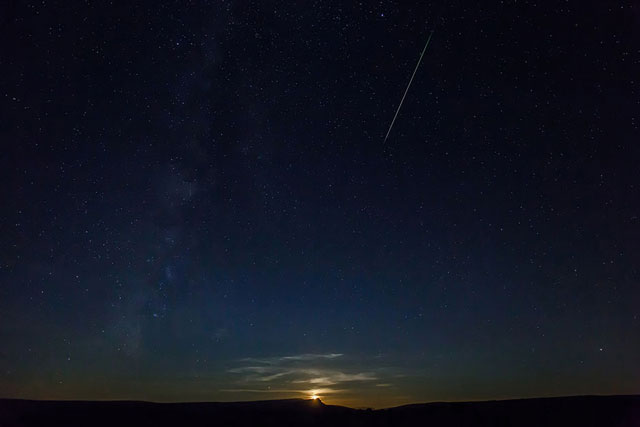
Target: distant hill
[[583, 411]]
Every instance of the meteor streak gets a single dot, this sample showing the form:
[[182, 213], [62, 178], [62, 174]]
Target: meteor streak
[[409, 85]]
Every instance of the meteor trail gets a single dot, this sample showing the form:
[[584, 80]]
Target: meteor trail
[[409, 85]]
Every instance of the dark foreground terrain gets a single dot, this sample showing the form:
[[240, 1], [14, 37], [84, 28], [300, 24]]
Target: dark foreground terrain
[[610, 411]]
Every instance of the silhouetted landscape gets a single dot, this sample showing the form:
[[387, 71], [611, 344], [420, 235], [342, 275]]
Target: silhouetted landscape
[[338, 206], [612, 411]]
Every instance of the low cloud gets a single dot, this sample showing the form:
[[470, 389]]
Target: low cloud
[[328, 377], [306, 357], [303, 373], [318, 391]]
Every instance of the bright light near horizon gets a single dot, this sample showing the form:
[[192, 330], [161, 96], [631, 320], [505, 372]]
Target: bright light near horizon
[[315, 396]]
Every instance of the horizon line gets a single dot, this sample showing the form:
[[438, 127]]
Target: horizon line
[[301, 399]]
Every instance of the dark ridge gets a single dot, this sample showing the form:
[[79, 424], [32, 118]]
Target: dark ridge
[[518, 400], [584, 411]]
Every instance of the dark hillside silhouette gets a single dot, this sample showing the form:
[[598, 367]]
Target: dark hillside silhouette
[[583, 411]]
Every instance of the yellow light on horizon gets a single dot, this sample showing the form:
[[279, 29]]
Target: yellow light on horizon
[[315, 396]]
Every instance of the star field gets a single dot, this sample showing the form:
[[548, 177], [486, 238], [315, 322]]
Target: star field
[[197, 203]]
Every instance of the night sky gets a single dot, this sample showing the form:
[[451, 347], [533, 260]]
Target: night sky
[[196, 202]]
